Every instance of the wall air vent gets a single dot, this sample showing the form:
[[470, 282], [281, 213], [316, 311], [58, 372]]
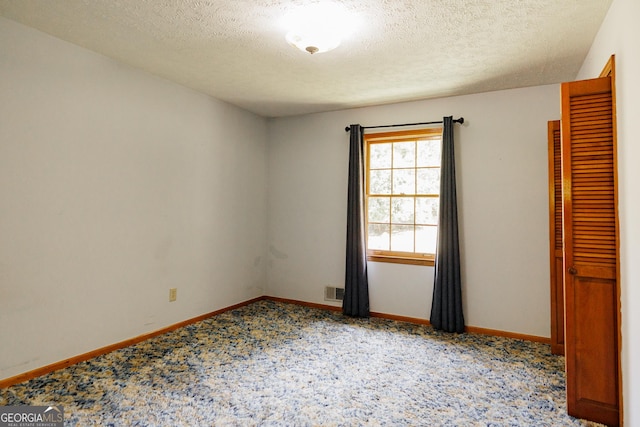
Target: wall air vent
[[332, 293]]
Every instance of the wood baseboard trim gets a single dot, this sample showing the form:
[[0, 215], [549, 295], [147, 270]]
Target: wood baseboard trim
[[304, 303], [414, 320], [506, 334], [334, 308], [419, 321], [26, 376]]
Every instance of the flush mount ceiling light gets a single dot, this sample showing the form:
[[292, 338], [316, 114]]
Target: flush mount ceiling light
[[318, 27]]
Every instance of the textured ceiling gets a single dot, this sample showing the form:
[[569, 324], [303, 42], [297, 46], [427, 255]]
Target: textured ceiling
[[402, 50]]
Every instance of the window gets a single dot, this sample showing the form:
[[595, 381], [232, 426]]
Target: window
[[402, 195]]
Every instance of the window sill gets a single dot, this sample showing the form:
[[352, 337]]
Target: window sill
[[402, 260]]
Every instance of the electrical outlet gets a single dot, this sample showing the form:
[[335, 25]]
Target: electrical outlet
[[173, 294]]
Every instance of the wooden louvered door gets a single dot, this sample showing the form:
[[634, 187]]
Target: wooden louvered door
[[590, 250], [555, 239]]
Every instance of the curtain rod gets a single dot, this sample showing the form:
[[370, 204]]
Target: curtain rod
[[460, 120]]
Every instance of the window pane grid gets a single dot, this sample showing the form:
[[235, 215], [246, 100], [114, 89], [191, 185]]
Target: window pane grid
[[375, 218], [402, 189]]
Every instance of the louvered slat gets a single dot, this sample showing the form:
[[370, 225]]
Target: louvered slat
[[557, 188], [592, 151], [555, 235]]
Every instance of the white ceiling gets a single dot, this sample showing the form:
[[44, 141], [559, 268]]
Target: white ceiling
[[403, 50]]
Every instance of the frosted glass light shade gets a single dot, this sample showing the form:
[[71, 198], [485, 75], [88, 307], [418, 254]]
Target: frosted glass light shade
[[318, 27], [313, 41]]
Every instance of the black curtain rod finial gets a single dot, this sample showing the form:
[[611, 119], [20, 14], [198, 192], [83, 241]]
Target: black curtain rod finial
[[347, 129]]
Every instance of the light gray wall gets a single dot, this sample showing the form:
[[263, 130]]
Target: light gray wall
[[619, 35], [115, 186], [503, 205]]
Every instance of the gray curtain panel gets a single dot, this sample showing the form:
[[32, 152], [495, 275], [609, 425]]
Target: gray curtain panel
[[446, 308], [356, 287]]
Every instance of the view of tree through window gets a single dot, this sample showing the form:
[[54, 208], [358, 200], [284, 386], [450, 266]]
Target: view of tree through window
[[402, 192]]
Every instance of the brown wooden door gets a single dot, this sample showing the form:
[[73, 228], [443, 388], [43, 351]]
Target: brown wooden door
[[555, 239], [590, 250]]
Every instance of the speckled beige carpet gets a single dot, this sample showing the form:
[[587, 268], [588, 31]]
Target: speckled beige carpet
[[278, 364]]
